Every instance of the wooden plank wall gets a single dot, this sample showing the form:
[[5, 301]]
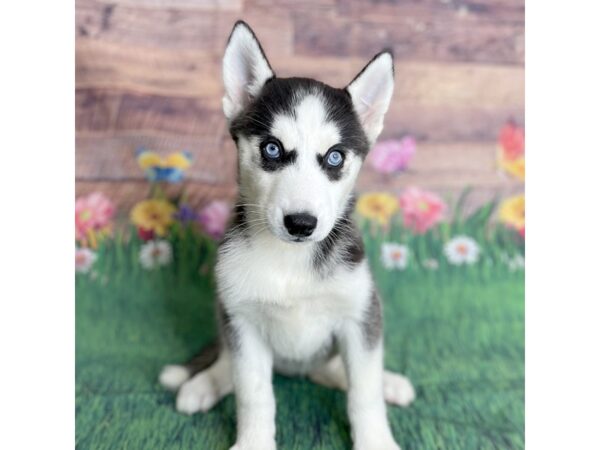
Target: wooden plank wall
[[148, 73]]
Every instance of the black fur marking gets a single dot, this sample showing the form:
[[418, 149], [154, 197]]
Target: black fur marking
[[228, 334], [333, 173], [372, 322], [343, 245], [238, 223], [204, 359], [282, 95]]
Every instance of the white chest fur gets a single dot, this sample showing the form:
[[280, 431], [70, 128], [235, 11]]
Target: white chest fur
[[274, 286]]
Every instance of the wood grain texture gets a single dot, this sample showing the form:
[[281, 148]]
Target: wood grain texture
[[442, 31], [112, 158], [148, 73]]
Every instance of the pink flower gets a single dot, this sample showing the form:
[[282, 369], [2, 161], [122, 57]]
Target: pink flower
[[421, 210], [93, 212], [214, 218], [392, 155], [84, 260]]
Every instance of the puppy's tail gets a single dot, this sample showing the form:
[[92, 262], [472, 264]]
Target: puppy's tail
[[173, 376]]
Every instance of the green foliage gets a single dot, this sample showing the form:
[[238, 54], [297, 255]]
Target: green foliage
[[496, 242], [458, 332]]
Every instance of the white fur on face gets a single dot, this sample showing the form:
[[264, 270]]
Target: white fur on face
[[303, 186]]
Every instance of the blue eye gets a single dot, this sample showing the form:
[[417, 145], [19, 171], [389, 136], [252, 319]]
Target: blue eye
[[335, 158], [272, 150]]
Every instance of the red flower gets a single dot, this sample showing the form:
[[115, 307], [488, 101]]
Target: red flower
[[512, 141], [145, 234]]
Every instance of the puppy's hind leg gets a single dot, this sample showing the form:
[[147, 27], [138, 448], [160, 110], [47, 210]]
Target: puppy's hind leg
[[397, 389], [202, 382]]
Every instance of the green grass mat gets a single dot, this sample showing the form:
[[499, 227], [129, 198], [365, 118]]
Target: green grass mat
[[458, 334]]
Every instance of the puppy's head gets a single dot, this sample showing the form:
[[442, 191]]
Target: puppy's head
[[301, 143]]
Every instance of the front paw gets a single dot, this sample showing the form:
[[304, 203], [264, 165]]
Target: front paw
[[397, 389]]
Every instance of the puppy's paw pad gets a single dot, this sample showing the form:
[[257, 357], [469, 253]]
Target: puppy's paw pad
[[172, 377], [198, 394], [398, 390]]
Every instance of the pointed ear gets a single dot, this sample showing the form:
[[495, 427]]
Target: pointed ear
[[245, 69], [371, 92]]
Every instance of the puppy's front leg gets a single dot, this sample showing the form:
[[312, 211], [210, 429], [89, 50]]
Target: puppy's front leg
[[363, 359], [252, 378]]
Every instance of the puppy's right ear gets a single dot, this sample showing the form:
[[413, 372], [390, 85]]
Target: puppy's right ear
[[245, 69]]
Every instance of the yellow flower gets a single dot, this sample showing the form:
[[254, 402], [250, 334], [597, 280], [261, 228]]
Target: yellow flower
[[155, 215], [377, 206], [148, 159], [515, 167], [512, 211]]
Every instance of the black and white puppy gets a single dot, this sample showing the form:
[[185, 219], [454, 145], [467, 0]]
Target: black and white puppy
[[295, 293]]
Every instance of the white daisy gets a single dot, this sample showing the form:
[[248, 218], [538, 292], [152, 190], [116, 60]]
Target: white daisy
[[84, 259], [515, 262], [394, 256], [155, 254], [431, 264], [462, 250]]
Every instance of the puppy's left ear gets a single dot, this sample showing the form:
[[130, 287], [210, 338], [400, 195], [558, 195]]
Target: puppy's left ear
[[245, 69], [371, 93]]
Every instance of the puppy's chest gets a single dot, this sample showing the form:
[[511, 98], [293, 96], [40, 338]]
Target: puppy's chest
[[296, 310], [271, 274], [296, 334]]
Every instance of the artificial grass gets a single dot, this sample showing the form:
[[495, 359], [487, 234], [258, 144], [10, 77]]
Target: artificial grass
[[458, 334]]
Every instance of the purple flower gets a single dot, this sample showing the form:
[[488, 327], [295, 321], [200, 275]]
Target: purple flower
[[214, 218], [185, 214], [393, 155]]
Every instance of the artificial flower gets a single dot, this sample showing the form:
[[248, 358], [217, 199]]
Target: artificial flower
[[512, 213], [392, 155], [93, 214], [430, 264], [514, 262], [170, 168], [394, 256], [155, 254], [153, 215], [511, 150], [461, 250], [185, 214], [84, 259], [421, 210], [377, 206], [145, 234], [214, 218]]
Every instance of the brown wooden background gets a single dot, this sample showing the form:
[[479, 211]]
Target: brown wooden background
[[148, 73]]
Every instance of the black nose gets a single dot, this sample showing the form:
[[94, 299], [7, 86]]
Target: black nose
[[300, 225]]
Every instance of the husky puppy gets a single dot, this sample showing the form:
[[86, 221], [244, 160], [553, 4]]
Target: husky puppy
[[294, 291]]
